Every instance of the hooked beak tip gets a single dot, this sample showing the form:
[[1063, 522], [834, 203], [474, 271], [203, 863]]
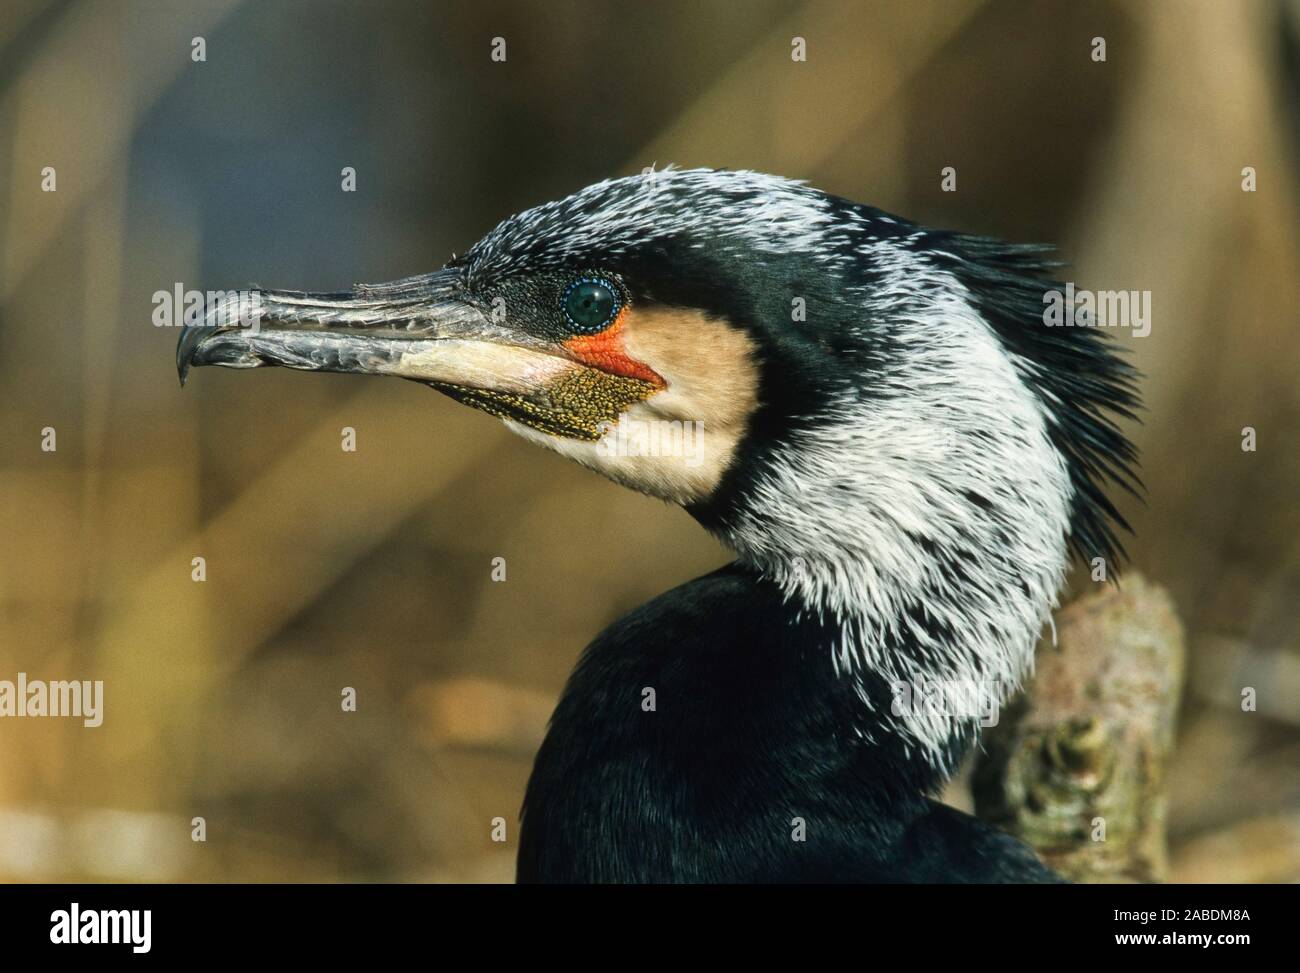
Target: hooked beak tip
[[185, 349]]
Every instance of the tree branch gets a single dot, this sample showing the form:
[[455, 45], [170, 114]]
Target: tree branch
[[1076, 765]]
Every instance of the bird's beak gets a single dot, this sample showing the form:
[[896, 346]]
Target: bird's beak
[[421, 328], [418, 328]]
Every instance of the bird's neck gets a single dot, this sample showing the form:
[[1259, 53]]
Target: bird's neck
[[712, 718], [926, 522]]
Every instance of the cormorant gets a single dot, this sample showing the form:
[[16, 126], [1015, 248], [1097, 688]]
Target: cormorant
[[897, 447]]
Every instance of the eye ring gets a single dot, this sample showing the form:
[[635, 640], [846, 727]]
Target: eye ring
[[590, 304]]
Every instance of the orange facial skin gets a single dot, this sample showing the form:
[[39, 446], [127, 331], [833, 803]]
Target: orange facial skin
[[605, 351]]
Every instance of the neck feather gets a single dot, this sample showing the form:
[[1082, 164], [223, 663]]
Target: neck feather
[[928, 520]]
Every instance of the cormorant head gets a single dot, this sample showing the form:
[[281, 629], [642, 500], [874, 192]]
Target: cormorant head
[[587, 324], [874, 415]]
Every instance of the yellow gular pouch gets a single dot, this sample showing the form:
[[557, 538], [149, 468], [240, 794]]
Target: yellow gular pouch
[[580, 404]]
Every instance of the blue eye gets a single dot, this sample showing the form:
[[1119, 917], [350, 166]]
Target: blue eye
[[590, 304]]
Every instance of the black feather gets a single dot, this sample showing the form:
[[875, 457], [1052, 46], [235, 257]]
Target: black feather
[[1080, 374]]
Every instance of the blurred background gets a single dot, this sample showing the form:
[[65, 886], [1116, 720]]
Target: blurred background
[[328, 569]]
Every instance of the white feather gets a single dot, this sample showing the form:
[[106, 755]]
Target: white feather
[[869, 517]]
